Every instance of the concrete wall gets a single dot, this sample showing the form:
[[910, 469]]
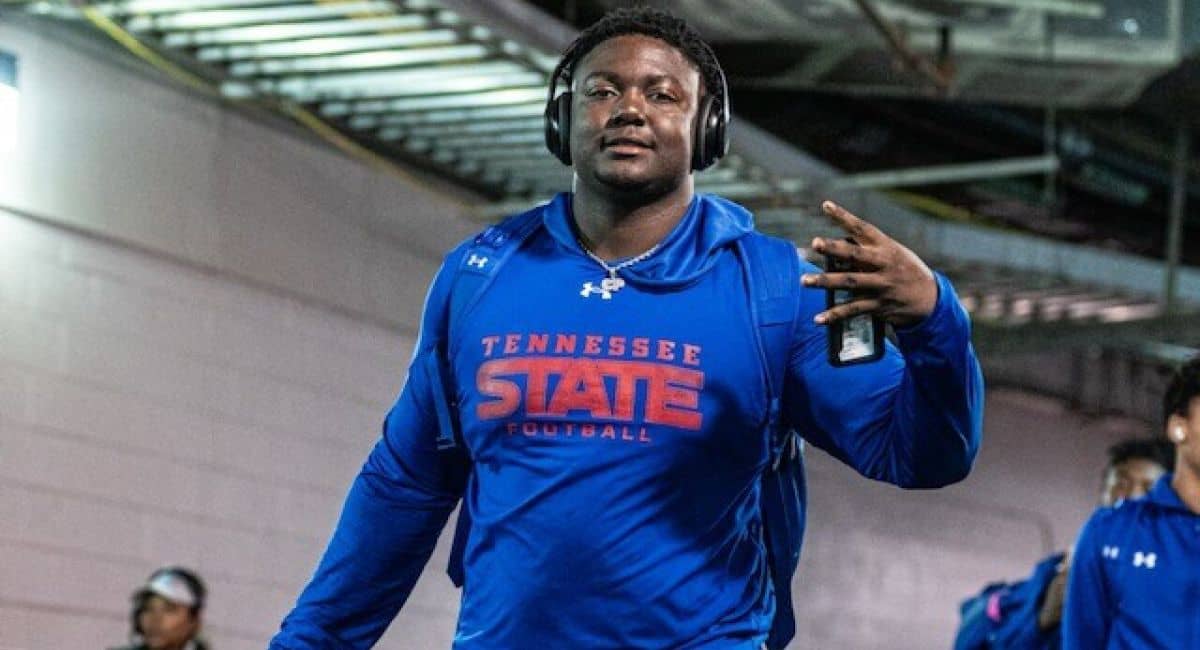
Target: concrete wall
[[203, 318], [152, 413]]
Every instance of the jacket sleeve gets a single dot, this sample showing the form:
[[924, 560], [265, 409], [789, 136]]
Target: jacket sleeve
[[975, 625], [1005, 615], [1088, 608], [914, 418], [396, 508]]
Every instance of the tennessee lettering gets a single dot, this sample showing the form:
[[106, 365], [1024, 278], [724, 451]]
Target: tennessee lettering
[[602, 389], [592, 345]]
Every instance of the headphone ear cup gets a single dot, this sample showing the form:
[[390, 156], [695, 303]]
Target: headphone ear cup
[[720, 134], [700, 137], [710, 141], [558, 127]]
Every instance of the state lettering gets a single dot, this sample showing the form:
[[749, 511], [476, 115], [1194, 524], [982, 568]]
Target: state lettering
[[602, 389]]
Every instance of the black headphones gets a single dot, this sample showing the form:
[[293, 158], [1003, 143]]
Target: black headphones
[[710, 142]]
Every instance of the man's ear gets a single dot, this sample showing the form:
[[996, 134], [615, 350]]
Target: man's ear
[[1177, 429]]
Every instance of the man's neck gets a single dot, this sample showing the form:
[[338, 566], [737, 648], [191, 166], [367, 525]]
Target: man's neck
[[616, 227], [1186, 484]]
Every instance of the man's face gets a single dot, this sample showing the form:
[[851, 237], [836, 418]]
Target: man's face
[[1129, 480], [634, 106], [166, 625]]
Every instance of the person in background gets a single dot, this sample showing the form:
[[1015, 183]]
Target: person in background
[[167, 612], [1135, 574], [1027, 615]]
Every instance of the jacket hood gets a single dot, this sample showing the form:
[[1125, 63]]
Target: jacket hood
[[709, 226], [1164, 496]]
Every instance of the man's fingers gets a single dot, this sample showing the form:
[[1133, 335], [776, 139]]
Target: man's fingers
[[855, 227], [851, 281], [849, 309], [852, 252]]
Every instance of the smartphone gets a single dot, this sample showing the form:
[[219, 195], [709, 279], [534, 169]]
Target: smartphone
[[858, 339]]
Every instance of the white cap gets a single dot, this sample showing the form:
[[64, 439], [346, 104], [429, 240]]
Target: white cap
[[171, 587]]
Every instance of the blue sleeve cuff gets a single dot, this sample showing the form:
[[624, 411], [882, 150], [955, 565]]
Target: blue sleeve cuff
[[948, 320]]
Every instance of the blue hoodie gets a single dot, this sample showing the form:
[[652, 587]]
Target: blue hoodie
[[1135, 577], [616, 447]]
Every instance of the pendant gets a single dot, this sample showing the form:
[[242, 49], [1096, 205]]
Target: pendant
[[608, 286]]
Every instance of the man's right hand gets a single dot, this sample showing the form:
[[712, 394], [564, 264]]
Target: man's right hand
[[1050, 615]]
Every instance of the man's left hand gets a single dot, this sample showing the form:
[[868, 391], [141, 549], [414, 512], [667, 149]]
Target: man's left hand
[[888, 279]]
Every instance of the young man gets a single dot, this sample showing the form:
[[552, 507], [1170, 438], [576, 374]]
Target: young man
[[1135, 575], [609, 390], [1027, 615]]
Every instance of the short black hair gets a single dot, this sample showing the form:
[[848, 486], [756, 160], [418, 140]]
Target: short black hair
[[1184, 386], [1156, 450], [646, 21]]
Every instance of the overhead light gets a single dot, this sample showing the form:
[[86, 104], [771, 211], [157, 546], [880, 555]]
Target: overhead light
[[407, 83], [463, 100], [319, 82], [287, 31], [141, 7], [333, 45], [8, 102], [367, 122], [478, 120], [274, 14], [392, 58]]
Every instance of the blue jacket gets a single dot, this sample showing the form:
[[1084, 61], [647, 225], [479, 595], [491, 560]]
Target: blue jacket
[[1135, 577], [615, 449], [1004, 616]]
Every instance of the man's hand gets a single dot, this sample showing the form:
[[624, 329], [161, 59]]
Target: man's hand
[[1050, 614], [889, 280]]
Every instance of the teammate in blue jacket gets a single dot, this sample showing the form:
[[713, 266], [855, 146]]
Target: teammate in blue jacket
[[610, 399], [1135, 574], [1027, 615]]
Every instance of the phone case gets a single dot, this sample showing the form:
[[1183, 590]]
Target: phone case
[[854, 340]]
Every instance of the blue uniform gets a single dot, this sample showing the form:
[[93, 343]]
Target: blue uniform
[[1004, 616], [616, 447], [1135, 577]]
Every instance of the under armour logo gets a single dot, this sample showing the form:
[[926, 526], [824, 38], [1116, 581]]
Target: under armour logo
[[476, 261], [590, 288], [608, 286], [1147, 560], [1110, 552]]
